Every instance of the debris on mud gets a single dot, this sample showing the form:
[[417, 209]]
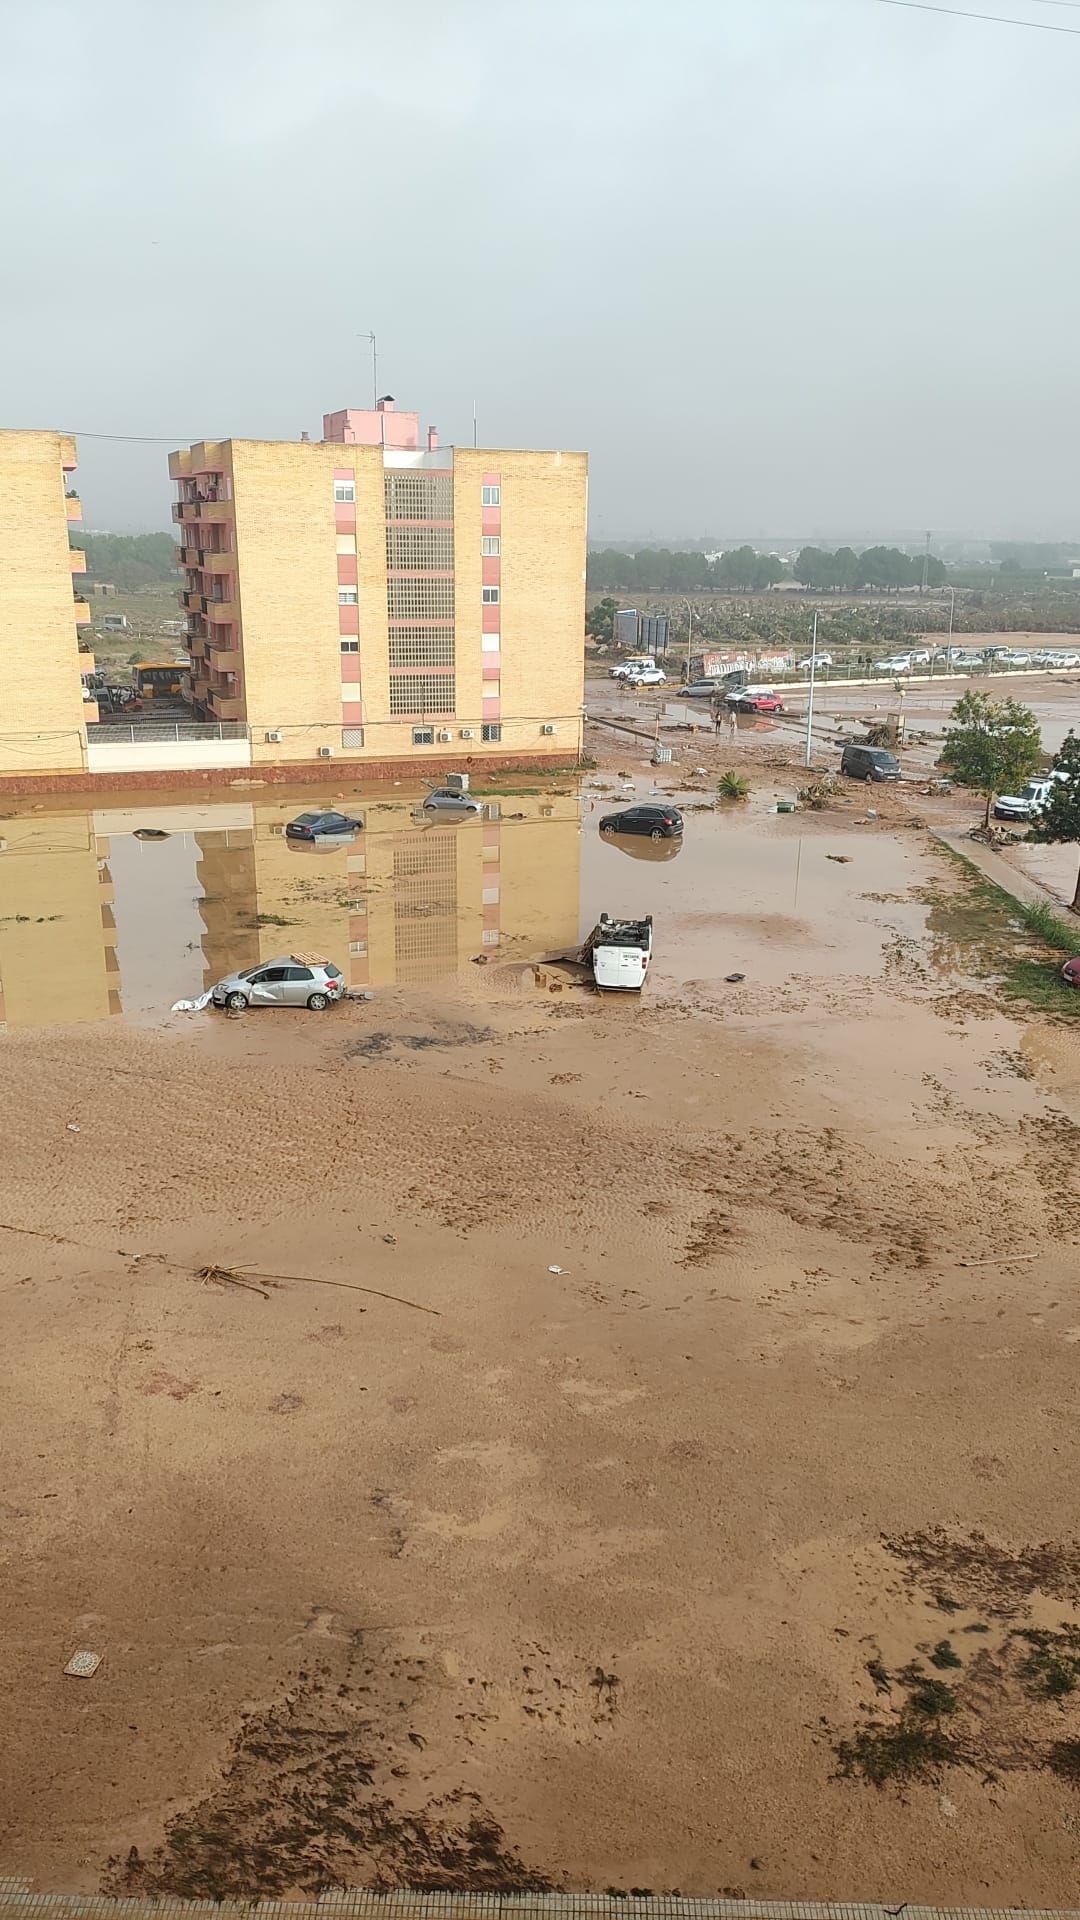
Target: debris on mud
[[301, 1807], [976, 1573]]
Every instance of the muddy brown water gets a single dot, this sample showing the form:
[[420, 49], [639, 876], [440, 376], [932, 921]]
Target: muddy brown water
[[96, 920]]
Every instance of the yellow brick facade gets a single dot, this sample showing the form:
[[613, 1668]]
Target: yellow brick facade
[[280, 521], [58, 958], [42, 715]]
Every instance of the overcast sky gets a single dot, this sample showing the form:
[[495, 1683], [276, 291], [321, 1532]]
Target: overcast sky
[[802, 266]]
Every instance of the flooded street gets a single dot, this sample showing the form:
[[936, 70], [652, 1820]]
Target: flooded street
[[98, 920], [500, 1435]]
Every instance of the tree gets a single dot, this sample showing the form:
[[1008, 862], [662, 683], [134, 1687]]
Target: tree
[[1059, 819], [992, 745], [600, 621], [129, 560]]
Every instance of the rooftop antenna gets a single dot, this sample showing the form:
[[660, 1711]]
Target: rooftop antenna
[[374, 367]]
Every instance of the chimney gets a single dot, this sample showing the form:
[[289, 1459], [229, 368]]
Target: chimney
[[305, 436], [385, 404], [432, 439]]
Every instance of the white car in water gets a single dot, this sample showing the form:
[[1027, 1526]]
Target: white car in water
[[646, 677], [898, 663]]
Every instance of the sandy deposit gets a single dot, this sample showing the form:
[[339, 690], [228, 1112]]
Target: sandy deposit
[[416, 1561]]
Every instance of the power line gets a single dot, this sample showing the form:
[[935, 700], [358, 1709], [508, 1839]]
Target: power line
[[140, 439], [999, 19]]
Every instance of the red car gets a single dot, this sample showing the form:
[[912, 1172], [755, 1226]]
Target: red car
[[1070, 972], [760, 703]]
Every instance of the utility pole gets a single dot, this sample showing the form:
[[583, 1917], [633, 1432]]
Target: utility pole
[[689, 634], [810, 701], [926, 565]]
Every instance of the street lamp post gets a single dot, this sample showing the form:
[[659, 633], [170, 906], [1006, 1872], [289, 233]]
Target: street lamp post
[[689, 634], [810, 701]]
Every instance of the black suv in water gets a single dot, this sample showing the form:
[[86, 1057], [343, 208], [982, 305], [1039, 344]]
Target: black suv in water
[[869, 763], [660, 823]]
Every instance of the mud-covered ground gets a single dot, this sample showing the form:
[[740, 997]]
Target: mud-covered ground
[[496, 1437]]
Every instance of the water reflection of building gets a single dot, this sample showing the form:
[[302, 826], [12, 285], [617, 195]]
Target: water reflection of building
[[225, 870], [405, 902], [58, 957]]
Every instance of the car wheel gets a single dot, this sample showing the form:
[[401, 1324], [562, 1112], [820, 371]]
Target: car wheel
[[318, 1002], [236, 1002], [607, 826], [869, 779], [657, 833]]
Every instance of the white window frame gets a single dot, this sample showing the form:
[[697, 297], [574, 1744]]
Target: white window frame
[[490, 937], [344, 493], [348, 596], [491, 496], [358, 947], [491, 545], [491, 731], [490, 642], [350, 646], [490, 596], [423, 736]]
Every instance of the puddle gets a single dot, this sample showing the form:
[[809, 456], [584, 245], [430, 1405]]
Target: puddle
[[96, 919]]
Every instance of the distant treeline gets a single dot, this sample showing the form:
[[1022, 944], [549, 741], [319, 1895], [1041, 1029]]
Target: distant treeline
[[660, 570], [128, 560]]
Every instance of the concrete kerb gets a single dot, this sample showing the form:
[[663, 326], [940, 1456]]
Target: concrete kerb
[[18, 1903], [999, 869]]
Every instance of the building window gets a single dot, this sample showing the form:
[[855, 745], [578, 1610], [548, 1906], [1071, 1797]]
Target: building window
[[421, 647], [345, 492], [489, 937], [491, 730], [490, 642], [490, 596], [346, 596], [419, 496], [492, 810], [490, 496], [490, 546], [422, 693], [350, 646], [423, 736], [352, 736], [358, 947], [419, 549], [426, 598]]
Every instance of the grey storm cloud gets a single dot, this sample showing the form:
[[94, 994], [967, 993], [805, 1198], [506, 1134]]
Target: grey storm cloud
[[801, 265]]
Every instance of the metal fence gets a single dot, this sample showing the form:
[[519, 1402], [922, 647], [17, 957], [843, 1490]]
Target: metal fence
[[155, 732]]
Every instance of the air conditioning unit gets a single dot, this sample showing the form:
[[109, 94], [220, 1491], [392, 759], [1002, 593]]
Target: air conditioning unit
[[468, 733], [326, 753], [444, 737], [548, 728], [273, 738]]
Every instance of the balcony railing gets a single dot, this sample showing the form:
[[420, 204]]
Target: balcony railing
[[153, 733]]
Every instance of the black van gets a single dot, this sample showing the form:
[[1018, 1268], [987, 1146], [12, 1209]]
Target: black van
[[869, 763]]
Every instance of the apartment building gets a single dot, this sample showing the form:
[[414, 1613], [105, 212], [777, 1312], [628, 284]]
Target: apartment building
[[375, 599], [42, 713]]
